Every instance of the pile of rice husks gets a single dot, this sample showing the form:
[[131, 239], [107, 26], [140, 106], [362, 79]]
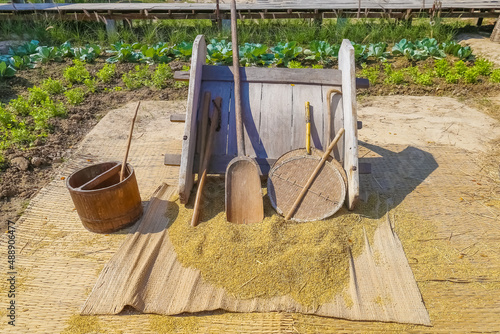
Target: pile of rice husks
[[309, 261]]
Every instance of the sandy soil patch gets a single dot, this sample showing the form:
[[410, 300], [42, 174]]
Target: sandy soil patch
[[481, 46], [425, 121]]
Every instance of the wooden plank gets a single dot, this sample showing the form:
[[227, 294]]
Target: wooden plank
[[218, 164], [186, 177], [172, 159], [224, 8], [224, 90], [346, 65], [276, 119], [313, 94], [232, 145], [251, 93], [138, 15], [248, 10], [274, 75], [203, 124], [178, 118]]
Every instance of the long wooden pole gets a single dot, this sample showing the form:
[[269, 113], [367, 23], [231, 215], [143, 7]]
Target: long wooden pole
[[124, 164], [237, 87], [314, 174]]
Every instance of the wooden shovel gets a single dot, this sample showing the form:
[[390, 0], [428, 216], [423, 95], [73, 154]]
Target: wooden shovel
[[244, 203]]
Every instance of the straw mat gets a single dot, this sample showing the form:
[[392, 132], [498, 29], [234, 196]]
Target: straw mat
[[146, 275]]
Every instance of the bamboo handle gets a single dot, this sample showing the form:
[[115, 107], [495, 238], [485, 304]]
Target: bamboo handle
[[124, 164], [237, 89], [204, 164], [314, 174], [308, 128]]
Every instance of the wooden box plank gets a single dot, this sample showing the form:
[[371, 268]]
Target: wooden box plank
[[273, 106], [210, 73], [186, 177], [274, 75], [231, 146], [250, 99], [224, 90]]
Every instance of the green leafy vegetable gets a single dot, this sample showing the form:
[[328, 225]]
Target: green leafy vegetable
[[75, 96], [377, 50], [322, 51], [285, 52], [21, 63], [77, 73], [6, 71], [53, 87], [45, 54], [26, 49], [219, 52], [107, 73]]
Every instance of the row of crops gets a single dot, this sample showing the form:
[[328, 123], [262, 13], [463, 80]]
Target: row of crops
[[318, 53]]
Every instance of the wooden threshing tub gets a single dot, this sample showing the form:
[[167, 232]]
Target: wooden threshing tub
[[273, 114]]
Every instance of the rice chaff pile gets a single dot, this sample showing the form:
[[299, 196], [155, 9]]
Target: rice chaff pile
[[308, 261]]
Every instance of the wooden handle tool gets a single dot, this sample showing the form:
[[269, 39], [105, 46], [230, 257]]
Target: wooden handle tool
[[124, 164], [308, 128], [314, 174]]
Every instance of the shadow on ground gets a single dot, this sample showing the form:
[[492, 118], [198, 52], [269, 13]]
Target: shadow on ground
[[394, 175]]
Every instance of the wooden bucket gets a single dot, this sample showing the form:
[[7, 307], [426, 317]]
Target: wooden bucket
[[109, 206]]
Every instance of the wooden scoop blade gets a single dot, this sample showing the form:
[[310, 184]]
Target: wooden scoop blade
[[244, 203]]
